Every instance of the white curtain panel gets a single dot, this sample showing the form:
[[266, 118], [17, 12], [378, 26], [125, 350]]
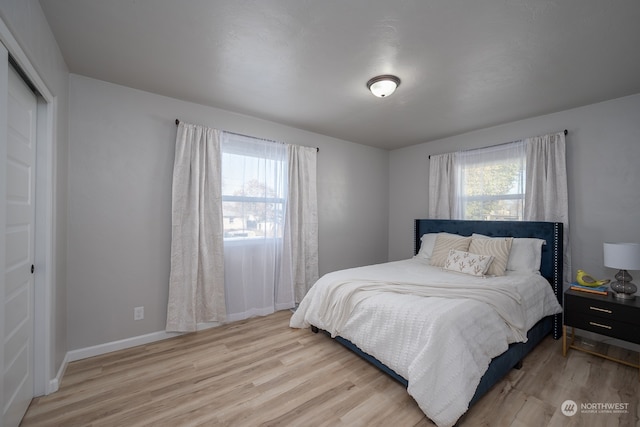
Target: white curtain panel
[[442, 197], [196, 284], [546, 195], [254, 174], [300, 260]]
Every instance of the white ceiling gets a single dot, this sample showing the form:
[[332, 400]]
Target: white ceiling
[[464, 65]]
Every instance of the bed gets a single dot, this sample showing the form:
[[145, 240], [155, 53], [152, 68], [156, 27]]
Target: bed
[[448, 336]]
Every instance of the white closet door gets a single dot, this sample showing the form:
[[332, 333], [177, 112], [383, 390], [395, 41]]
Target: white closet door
[[17, 301]]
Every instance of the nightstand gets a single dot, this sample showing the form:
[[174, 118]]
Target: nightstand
[[604, 315]]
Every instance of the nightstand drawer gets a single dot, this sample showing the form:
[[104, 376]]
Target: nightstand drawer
[[602, 307], [601, 325], [604, 315]]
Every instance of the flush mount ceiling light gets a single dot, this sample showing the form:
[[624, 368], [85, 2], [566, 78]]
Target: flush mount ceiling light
[[383, 86]]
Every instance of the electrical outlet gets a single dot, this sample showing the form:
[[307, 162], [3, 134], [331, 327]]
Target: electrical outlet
[[138, 313]]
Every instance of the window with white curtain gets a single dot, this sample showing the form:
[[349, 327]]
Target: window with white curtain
[[522, 180], [491, 183], [254, 189], [244, 218]]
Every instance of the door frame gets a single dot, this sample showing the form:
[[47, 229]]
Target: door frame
[[45, 381]]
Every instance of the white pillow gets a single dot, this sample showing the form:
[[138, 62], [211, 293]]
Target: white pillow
[[467, 262], [427, 242], [525, 255], [446, 242]]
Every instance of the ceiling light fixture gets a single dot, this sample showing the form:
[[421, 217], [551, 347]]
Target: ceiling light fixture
[[383, 86]]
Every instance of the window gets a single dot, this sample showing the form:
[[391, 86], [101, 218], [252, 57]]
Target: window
[[522, 180], [491, 183], [256, 267], [254, 190]]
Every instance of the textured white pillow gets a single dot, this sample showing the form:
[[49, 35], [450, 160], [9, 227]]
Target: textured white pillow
[[497, 247], [525, 255], [444, 243], [427, 242], [467, 262]]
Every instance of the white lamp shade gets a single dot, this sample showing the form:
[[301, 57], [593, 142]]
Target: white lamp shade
[[624, 256]]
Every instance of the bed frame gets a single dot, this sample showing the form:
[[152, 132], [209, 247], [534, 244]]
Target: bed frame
[[550, 268]]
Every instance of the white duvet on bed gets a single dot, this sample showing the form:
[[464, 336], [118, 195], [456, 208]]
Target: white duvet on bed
[[441, 344]]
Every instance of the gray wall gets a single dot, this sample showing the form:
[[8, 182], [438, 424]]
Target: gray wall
[[118, 172], [120, 168], [603, 158], [27, 24]]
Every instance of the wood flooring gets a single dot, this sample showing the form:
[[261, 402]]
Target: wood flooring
[[260, 372]]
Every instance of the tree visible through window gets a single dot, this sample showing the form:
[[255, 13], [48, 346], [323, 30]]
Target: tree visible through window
[[491, 185], [254, 211], [253, 189]]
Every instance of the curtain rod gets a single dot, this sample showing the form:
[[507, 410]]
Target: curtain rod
[[248, 136], [504, 143]]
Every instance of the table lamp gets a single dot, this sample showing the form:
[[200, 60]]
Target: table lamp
[[623, 256]]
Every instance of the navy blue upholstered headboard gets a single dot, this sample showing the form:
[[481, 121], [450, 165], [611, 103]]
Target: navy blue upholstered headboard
[[551, 232]]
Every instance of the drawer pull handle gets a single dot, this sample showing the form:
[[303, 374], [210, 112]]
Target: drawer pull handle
[[600, 309], [600, 325]]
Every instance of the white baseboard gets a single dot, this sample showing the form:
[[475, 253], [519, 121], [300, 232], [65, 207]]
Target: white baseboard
[[105, 348], [97, 350], [249, 314], [54, 384]]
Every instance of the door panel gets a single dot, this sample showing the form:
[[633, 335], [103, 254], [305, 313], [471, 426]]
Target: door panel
[[19, 239]]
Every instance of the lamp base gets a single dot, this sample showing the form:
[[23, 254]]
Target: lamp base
[[620, 295], [623, 288]]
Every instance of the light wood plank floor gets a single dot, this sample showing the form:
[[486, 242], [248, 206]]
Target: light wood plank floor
[[261, 372]]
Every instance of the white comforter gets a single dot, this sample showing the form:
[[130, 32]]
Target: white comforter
[[442, 344]]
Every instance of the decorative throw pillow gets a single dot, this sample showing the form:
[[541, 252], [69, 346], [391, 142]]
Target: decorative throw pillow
[[525, 254], [427, 242], [444, 243], [467, 263], [497, 247]]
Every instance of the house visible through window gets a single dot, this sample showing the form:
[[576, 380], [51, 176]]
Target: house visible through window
[[254, 174]]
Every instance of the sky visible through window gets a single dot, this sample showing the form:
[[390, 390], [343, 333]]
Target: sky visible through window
[[238, 170], [253, 190]]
